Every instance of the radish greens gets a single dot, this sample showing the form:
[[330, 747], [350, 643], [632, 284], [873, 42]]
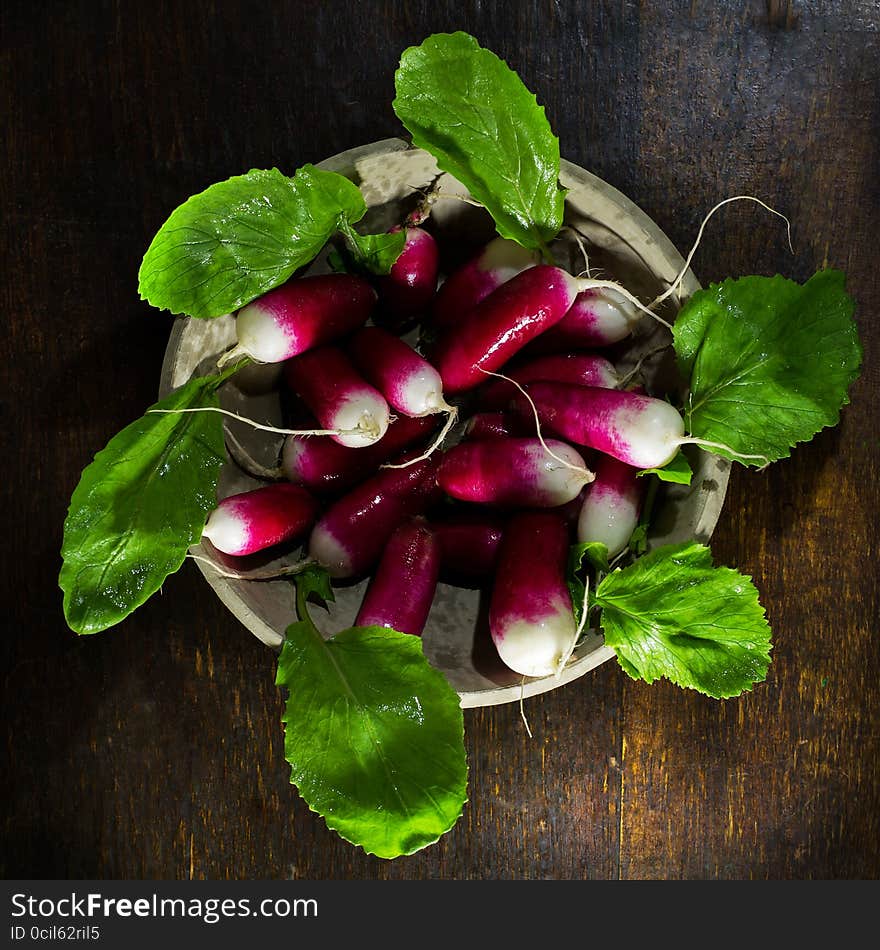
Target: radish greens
[[139, 506], [374, 735], [769, 361], [473, 113], [671, 613], [242, 237]]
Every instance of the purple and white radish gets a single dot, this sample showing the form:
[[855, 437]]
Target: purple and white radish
[[254, 520], [409, 383], [469, 544], [303, 313], [531, 617], [610, 511], [579, 368], [495, 264], [408, 288], [338, 396], [514, 472], [401, 590], [502, 324], [349, 536], [323, 465], [599, 316], [640, 430]]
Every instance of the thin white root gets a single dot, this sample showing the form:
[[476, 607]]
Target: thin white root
[[242, 458], [589, 476], [267, 575], [522, 712], [673, 288], [591, 284], [260, 425], [691, 440], [452, 412], [580, 243]]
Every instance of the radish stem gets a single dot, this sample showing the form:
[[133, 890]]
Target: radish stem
[[563, 662], [691, 440]]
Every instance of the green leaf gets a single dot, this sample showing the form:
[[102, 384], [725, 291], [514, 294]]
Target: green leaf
[[375, 253], [139, 506], [471, 111], [769, 360], [678, 471], [672, 614], [315, 582], [241, 237], [374, 736], [336, 262]]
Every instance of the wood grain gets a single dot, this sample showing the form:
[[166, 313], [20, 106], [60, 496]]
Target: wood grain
[[154, 750]]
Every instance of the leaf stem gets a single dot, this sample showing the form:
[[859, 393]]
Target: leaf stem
[[705, 443]]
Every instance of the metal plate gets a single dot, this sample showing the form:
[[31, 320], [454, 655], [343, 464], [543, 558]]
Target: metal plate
[[623, 244]]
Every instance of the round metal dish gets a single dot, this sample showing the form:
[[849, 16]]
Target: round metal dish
[[621, 242]]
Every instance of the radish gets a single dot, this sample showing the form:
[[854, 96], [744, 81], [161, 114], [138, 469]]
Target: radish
[[502, 324], [469, 544], [408, 288], [531, 617], [610, 511], [323, 465], [254, 520], [514, 472], [495, 264], [406, 379], [598, 317], [580, 368], [402, 588], [349, 537], [338, 396], [301, 314], [493, 425], [639, 430]]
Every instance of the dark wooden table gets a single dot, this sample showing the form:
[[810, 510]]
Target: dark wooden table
[[154, 750]]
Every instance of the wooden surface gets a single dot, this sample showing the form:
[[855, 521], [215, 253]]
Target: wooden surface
[[154, 750]]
